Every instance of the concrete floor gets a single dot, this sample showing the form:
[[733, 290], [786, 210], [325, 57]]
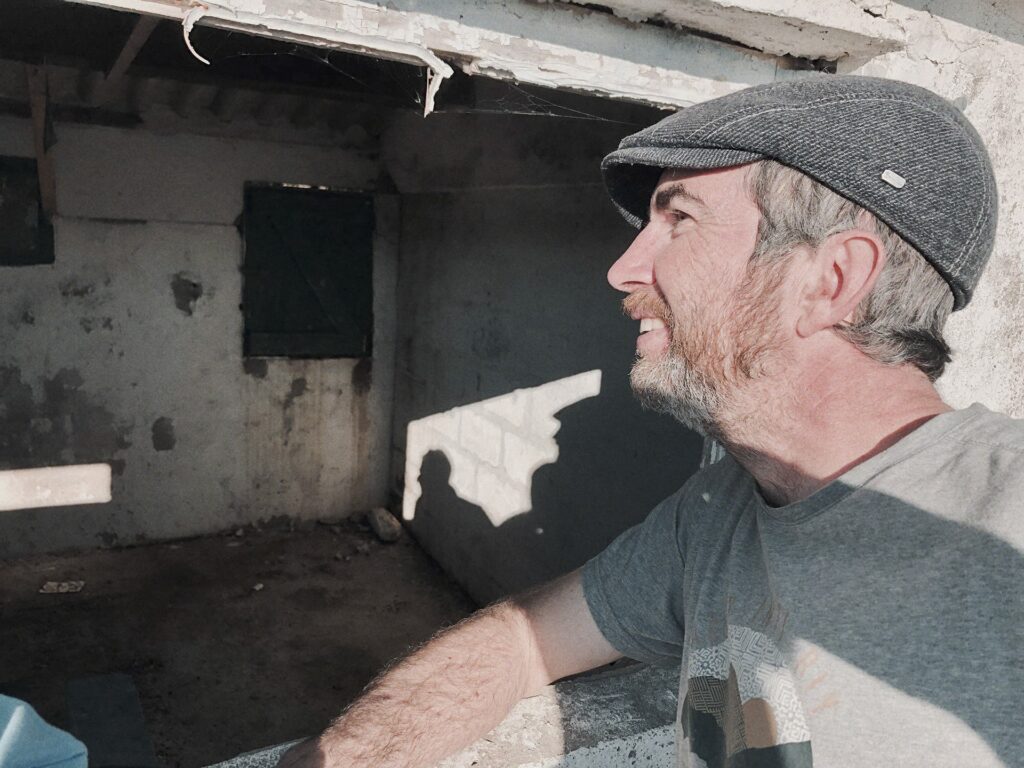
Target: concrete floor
[[221, 666]]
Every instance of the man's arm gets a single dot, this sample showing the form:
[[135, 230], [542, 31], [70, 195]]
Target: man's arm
[[462, 683]]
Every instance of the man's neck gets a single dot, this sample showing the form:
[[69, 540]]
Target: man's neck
[[798, 432]]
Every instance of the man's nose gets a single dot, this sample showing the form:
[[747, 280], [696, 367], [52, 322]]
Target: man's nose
[[634, 268]]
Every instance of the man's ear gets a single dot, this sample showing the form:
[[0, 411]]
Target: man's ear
[[843, 270]]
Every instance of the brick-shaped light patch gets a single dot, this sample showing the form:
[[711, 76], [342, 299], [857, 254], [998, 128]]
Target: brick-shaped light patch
[[511, 407], [480, 436], [499, 498], [447, 423], [520, 457]]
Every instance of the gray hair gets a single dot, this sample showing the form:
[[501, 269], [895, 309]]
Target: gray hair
[[901, 319]]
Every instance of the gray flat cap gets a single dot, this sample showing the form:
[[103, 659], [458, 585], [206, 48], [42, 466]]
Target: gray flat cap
[[900, 151]]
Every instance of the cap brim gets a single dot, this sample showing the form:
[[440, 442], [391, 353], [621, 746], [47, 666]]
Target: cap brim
[[632, 173]]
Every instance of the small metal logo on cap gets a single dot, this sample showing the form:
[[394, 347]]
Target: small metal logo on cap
[[892, 178]]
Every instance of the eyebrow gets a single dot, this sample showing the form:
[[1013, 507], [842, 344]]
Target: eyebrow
[[663, 197]]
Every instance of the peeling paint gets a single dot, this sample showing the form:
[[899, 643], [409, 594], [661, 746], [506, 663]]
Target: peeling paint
[[194, 14], [363, 38]]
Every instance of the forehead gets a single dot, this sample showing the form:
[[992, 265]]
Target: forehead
[[717, 188]]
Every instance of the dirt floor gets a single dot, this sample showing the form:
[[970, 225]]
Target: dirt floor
[[234, 642]]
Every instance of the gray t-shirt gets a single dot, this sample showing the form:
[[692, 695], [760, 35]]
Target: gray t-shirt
[[879, 622]]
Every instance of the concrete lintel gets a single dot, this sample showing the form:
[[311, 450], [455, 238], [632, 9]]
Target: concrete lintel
[[812, 29], [552, 45]]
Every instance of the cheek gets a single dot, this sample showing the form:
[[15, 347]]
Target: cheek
[[698, 274]]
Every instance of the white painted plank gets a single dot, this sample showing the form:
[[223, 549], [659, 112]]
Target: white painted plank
[[54, 486], [552, 45]]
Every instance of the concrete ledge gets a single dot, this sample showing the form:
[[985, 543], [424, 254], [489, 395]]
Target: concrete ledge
[[612, 719], [621, 717]]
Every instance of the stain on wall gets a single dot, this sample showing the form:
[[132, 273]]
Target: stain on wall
[[89, 324], [163, 434], [74, 288], [255, 367], [187, 291], [298, 389], [59, 422], [362, 376]]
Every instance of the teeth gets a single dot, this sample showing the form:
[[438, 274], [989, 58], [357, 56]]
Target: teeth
[[650, 324]]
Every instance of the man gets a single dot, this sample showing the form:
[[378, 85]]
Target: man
[[844, 588]]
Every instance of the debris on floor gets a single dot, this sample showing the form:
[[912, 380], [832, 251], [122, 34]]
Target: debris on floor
[[217, 672], [61, 587], [384, 524]]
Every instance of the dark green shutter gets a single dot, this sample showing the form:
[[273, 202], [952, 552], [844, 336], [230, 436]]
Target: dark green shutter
[[308, 272]]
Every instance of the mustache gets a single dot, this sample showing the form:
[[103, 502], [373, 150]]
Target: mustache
[[647, 304]]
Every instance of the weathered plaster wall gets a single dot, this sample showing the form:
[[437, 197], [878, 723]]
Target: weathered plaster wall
[[128, 349], [523, 449], [973, 54]]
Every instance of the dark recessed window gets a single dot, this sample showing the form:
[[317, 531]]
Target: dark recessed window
[[307, 272], [26, 236]]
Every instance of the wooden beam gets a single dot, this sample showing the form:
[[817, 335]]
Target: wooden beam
[[139, 35], [39, 104]]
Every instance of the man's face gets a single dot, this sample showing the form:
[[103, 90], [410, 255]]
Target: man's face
[[708, 322]]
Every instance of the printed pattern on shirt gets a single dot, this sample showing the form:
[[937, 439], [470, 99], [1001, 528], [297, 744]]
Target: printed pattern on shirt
[[740, 698]]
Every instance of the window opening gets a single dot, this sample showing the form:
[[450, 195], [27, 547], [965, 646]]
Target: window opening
[[307, 272], [26, 235]]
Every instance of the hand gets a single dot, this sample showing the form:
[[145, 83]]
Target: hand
[[305, 754]]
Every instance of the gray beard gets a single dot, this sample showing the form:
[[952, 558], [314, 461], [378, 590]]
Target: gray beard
[[674, 387]]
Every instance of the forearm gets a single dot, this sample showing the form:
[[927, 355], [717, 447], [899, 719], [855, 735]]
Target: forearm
[[439, 699]]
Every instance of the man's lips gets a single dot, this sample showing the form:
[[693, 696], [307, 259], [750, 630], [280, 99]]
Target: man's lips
[[655, 322]]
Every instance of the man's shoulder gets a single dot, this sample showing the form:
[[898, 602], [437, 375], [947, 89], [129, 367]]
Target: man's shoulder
[[989, 429], [972, 473]]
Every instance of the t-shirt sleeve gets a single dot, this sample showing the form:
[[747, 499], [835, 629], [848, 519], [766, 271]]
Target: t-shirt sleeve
[[634, 588]]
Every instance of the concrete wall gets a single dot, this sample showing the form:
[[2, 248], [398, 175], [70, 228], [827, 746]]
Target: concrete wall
[[973, 54], [523, 449], [128, 349]]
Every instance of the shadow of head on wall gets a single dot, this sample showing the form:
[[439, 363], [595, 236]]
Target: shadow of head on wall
[[612, 464]]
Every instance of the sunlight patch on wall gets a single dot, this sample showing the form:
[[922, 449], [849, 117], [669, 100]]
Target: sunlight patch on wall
[[54, 486], [494, 446]]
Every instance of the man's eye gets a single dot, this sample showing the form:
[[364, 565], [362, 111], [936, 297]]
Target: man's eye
[[679, 215]]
